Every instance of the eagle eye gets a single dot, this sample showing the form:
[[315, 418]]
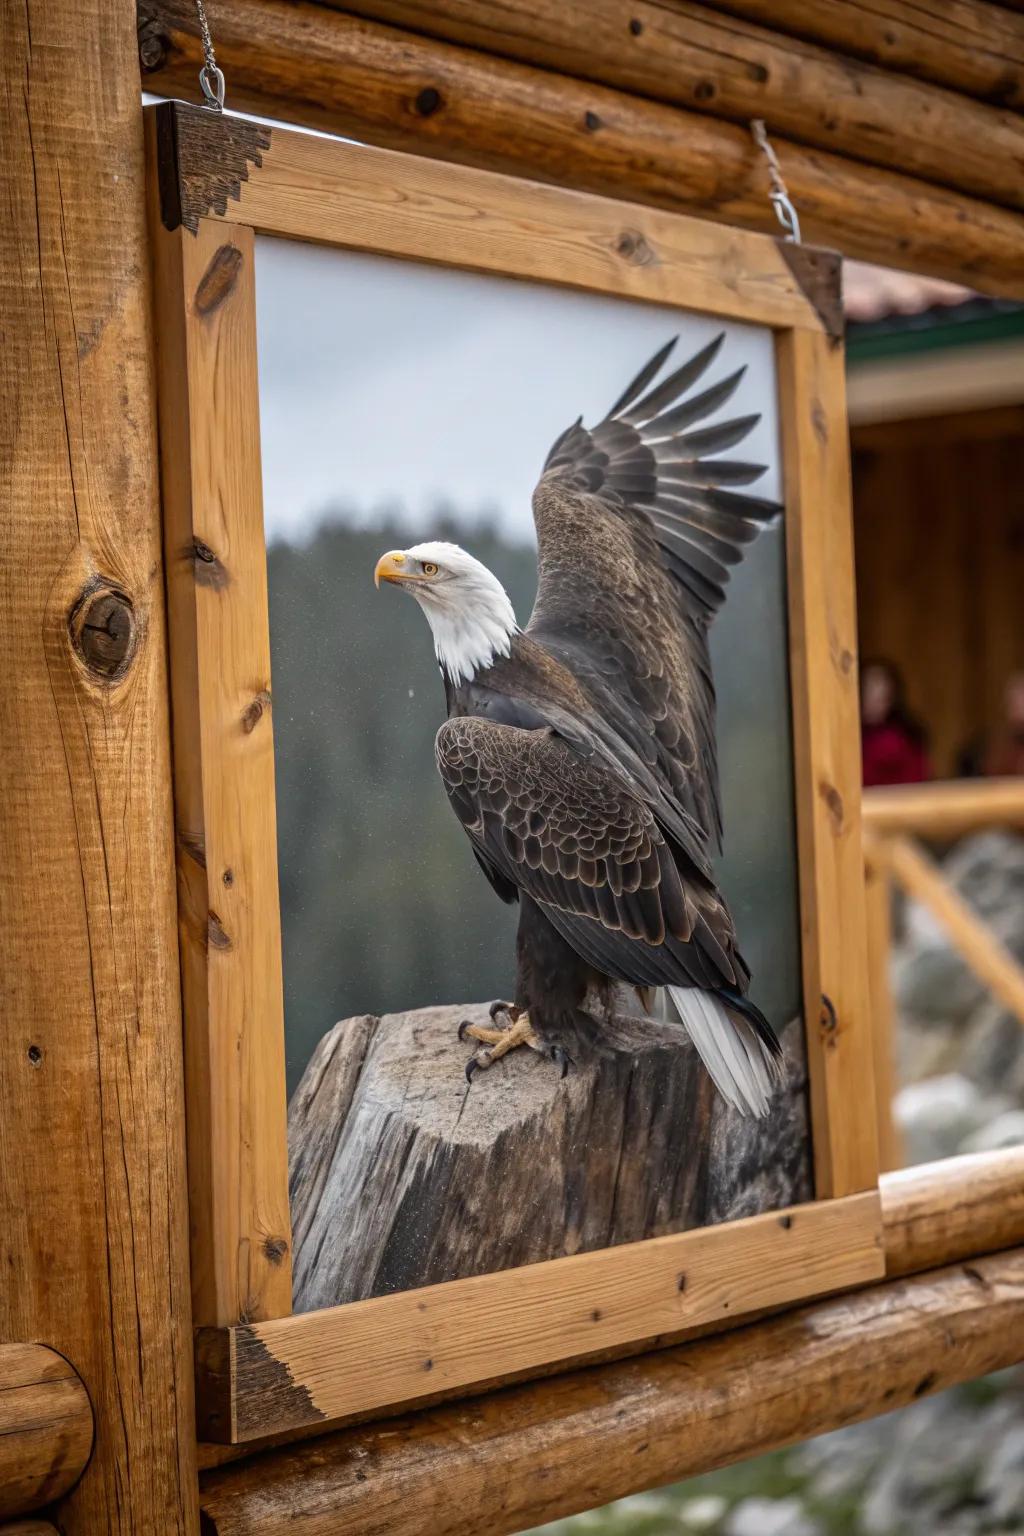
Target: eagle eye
[[429, 568]]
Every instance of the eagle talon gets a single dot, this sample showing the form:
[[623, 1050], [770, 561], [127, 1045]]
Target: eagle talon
[[502, 1007], [462, 1029], [561, 1059], [471, 1066]]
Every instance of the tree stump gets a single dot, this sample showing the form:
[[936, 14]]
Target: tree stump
[[403, 1174]]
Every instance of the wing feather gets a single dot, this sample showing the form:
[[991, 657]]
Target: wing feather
[[638, 525]]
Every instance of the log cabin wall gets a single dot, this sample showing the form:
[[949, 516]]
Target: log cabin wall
[[939, 533], [917, 164]]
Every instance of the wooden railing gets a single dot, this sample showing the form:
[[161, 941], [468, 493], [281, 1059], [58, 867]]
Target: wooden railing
[[895, 819]]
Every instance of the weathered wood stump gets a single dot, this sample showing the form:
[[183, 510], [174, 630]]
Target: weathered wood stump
[[402, 1174]]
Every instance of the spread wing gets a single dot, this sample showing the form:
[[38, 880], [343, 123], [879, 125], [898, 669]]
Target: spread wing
[[571, 834], [638, 523]]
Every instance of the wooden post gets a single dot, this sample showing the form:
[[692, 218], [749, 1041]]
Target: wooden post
[[878, 905], [93, 1234], [45, 1428]]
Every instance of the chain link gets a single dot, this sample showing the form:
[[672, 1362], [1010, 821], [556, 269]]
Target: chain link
[[210, 77], [779, 195]]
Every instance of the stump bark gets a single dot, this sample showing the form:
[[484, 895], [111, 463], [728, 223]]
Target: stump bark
[[403, 1174]]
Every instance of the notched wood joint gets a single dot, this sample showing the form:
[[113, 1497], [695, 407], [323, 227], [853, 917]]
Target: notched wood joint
[[218, 280], [104, 630], [203, 158], [819, 274]]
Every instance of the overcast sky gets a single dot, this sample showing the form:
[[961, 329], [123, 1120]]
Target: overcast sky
[[385, 382]]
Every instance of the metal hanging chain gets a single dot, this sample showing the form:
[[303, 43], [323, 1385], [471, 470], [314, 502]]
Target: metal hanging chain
[[779, 195], [210, 77]]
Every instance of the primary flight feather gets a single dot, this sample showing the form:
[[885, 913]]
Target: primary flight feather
[[579, 753]]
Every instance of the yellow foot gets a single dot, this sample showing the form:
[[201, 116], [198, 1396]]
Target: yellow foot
[[495, 1042]]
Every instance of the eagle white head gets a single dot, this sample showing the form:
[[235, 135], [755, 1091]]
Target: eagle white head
[[467, 608]]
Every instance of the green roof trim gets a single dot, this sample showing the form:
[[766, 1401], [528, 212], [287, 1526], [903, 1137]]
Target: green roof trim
[[936, 330]]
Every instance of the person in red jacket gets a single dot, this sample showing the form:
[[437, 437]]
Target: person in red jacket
[[894, 746]]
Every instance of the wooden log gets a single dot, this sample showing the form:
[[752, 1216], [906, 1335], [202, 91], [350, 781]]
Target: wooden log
[[404, 1175], [534, 1453], [327, 70], [952, 1210], [987, 956], [688, 56], [45, 1428], [92, 1194], [946, 809], [968, 45]]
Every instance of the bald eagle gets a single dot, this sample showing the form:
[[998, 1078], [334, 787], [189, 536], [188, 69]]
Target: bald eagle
[[579, 753]]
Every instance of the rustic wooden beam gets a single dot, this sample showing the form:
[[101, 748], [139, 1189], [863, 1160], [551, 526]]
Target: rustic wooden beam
[[946, 809], [968, 45], [688, 56], [987, 956], [951, 1210], [533, 1453], [45, 1428], [878, 904], [327, 70], [93, 1236]]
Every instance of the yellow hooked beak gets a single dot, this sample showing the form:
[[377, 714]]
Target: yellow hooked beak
[[392, 567]]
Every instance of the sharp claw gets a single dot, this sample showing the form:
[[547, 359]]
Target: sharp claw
[[561, 1058], [463, 1027], [471, 1066]]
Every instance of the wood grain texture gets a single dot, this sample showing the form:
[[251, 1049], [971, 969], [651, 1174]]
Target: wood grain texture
[[28, 1528], [402, 1175], [954, 1209], [825, 705], [375, 200], [968, 45], [988, 957], [946, 809], [689, 56], [533, 1453], [309, 65], [267, 1377], [229, 917], [878, 916], [45, 1428], [93, 1237]]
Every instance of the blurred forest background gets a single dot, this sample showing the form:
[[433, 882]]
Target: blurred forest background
[[382, 904]]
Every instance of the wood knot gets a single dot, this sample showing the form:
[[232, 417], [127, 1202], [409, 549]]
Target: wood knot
[[635, 247], [785, 1222], [274, 1249], [103, 631], [216, 936], [592, 122], [209, 570], [152, 45], [834, 802], [218, 280], [253, 712], [429, 101]]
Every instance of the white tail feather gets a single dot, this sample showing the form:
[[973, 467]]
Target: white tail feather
[[739, 1063]]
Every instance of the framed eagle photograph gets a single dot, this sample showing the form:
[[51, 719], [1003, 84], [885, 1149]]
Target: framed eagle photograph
[[517, 777]]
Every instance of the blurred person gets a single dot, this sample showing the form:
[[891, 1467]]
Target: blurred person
[[1003, 752], [894, 746]]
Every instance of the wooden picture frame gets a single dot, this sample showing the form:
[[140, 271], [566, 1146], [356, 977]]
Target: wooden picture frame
[[216, 182]]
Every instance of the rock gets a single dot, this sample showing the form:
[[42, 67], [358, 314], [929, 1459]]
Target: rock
[[770, 1517], [992, 1050], [927, 1048], [1005, 1130], [702, 1514], [939, 1115], [930, 981]]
